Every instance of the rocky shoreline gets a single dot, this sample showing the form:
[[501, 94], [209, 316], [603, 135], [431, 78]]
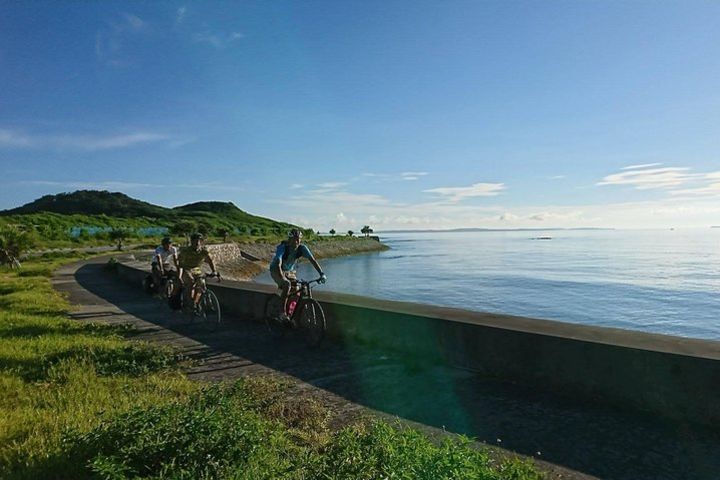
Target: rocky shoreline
[[244, 261]]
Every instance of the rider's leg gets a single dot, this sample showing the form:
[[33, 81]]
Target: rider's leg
[[156, 275], [197, 291], [187, 280], [284, 285]]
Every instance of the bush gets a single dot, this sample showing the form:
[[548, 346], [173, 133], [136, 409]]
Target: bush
[[112, 264]]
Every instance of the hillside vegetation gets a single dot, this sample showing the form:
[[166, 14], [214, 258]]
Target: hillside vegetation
[[88, 217]]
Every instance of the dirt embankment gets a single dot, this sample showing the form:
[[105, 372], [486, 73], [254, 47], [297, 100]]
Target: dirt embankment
[[243, 261]]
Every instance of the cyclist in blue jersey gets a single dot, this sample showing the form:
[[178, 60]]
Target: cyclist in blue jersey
[[282, 266]]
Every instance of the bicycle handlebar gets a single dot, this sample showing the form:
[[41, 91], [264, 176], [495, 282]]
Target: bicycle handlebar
[[211, 275]]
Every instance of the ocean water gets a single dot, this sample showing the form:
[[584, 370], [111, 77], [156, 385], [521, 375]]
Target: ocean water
[[661, 281]]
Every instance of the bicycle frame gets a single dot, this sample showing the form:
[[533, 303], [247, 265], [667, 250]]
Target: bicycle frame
[[299, 290]]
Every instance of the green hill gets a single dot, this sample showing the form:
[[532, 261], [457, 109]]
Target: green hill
[[87, 216], [89, 202]]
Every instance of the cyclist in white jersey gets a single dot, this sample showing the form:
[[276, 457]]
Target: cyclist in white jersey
[[164, 261]]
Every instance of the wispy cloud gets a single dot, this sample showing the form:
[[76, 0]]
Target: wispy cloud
[[389, 177], [412, 175], [331, 185], [16, 139], [557, 177], [643, 178], [109, 41], [678, 181], [218, 40], [456, 194], [180, 15], [644, 165]]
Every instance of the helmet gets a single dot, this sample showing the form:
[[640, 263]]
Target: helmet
[[295, 233], [196, 236], [166, 241]]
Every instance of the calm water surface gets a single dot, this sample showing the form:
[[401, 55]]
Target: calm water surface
[[663, 281]]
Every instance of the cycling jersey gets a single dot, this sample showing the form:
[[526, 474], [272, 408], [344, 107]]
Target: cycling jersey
[[289, 256], [191, 258], [165, 255]]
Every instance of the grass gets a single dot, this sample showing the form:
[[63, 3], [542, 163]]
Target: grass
[[81, 401], [57, 374]]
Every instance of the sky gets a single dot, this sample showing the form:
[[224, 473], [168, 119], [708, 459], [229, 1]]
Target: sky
[[394, 114]]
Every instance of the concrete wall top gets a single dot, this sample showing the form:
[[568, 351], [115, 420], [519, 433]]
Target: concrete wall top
[[707, 349]]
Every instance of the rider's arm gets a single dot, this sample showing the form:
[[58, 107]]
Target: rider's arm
[[158, 260], [316, 265], [307, 254], [276, 262], [179, 268], [210, 262]]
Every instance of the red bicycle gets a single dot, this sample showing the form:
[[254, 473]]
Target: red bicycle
[[304, 314]]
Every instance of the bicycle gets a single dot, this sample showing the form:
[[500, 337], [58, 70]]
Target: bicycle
[[207, 308], [166, 286], [303, 312]]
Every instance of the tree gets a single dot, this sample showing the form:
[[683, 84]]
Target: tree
[[184, 228], [13, 243], [350, 233], [366, 230], [119, 234], [332, 232], [223, 232]]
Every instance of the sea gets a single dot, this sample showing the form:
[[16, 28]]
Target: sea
[[660, 281]]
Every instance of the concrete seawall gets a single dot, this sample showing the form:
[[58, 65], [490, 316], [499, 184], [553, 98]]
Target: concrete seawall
[[672, 377]]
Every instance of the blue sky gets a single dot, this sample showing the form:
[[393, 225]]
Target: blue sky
[[398, 114]]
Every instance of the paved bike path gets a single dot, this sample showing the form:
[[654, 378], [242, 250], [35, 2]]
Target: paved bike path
[[567, 437]]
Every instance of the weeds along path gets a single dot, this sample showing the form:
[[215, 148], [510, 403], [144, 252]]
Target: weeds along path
[[564, 437]]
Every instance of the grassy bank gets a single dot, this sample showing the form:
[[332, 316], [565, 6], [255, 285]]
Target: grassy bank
[[82, 401]]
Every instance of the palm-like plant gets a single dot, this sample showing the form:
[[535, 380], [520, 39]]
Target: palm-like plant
[[13, 243]]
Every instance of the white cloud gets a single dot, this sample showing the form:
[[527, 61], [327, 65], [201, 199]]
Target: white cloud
[[456, 194], [712, 189], [644, 165], [331, 185], [412, 175], [556, 217], [295, 186], [650, 178], [389, 177], [642, 177], [15, 139], [557, 177]]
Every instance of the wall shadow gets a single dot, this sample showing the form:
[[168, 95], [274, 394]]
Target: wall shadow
[[596, 440]]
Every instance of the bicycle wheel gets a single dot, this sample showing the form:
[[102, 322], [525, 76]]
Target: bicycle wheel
[[273, 309], [311, 322], [210, 310]]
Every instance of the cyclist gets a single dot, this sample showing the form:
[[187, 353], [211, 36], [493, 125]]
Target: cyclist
[[190, 260], [282, 266], [161, 265]]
